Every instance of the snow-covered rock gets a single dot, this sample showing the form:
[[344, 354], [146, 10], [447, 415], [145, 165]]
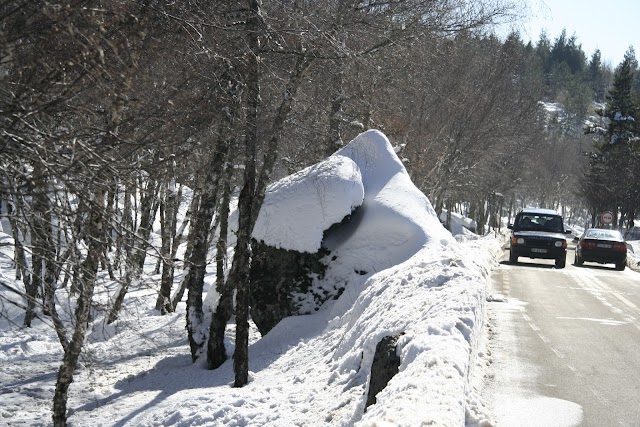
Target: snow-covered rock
[[394, 222], [309, 213]]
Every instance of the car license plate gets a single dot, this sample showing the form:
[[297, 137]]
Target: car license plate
[[603, 245], [539, 251]]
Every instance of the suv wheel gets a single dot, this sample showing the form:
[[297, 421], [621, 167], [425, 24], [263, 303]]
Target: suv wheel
[[620, 266], [561, 262], [513, 259], [579, 261]]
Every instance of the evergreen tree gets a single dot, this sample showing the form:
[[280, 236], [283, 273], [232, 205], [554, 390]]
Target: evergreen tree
[[615, 166], [596, 76], [543, 55], [621, 109], [568, 51], [575, 56], [564, 73], [558, 50]]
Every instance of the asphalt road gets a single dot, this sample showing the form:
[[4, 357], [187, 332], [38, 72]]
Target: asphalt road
[[564, 345]]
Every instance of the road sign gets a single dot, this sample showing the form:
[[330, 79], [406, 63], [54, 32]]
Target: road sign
[[607, 217]]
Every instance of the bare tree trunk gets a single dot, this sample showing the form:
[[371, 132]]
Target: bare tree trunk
[[198, 258], [149, 206], [242, 255], [250, 201], [162, 205], [512, 208], [481, 216], [168, 230], [216, 353], [34, 287], [96, 245], [20, 259], [124, 226], [41, 252], [221, 245], [176, 235], [499, 214], [334, 139], [240, 271], [189, 218], [22, 270], [137, 253], [191, 215], [439, 196]]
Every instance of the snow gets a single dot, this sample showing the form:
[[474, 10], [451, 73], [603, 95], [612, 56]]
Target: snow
[[633, 254], [552, 108], [618, 117], [404, 275], [298, 208], [461, 225]]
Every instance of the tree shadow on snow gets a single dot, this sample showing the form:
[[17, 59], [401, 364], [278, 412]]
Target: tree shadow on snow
[[169, 376], [177, 373]]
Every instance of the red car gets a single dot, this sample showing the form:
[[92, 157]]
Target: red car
[[602, 246]]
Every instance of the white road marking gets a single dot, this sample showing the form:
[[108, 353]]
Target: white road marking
[[602, 292], [608, 322]]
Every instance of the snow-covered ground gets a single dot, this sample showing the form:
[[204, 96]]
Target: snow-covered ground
[[311, 370]]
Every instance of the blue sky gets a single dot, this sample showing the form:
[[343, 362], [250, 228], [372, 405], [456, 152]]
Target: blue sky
[[609, 26]]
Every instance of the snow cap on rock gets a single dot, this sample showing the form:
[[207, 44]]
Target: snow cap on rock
[[300, 207]]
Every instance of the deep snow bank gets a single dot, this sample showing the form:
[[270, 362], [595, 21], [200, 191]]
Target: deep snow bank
[[402, 272], [314, 370]]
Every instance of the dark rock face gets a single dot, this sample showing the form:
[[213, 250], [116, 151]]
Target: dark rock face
[[279, 276], [276, 275], [385, 366]]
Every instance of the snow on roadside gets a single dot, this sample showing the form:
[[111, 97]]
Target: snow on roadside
[[310, 370], [633, 254], [404, 275]]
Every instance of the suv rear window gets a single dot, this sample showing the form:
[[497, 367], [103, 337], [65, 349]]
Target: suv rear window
[[539, 222]]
